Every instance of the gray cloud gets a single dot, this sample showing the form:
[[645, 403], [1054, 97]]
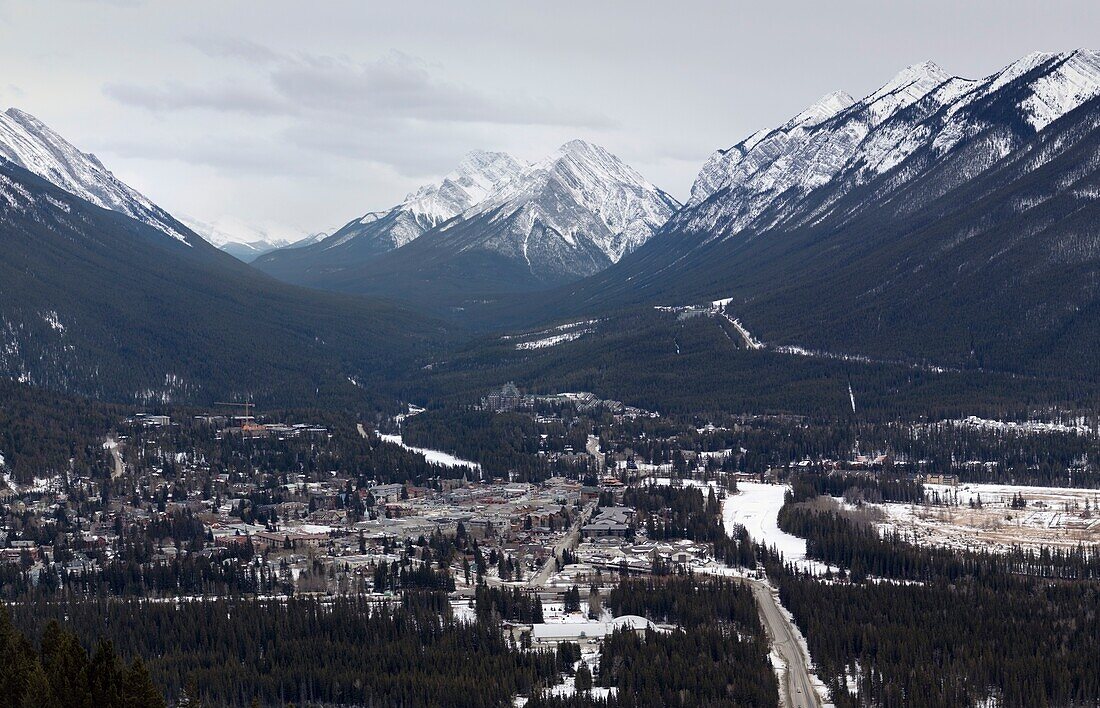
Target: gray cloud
[[289, 116], [238, 154], [333, 106], [396, 86], [403, 86], [233, 48], [174, 96]]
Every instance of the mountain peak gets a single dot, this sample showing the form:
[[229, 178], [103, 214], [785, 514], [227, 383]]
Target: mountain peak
[[32, 145], [478, 160], [590, 164], [578, 146], [925, 70], [824, 108], [914, 81]]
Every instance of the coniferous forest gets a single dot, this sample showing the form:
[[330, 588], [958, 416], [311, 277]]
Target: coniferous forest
[[898, 624], [348, 651]]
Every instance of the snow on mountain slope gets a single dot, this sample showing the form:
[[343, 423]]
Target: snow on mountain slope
[[1074, 80], [801, 155], [32, 145], [579, 198], [478, 175], [492, 223], [838, 145], [724, 167]]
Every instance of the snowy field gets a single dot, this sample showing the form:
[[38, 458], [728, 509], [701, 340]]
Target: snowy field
[[1052, 516], [433, 456], [756, 507]]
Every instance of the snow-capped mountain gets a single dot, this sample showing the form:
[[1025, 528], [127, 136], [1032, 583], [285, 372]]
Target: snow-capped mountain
[[32, 145], [493, 223], [580, 199], [937, 219], [840, 144], [478, 175], [377, 232]]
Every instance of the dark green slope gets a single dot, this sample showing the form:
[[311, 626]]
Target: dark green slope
[[446, 272], [697, 366], [998, 272], [314, 264], [141, 315]]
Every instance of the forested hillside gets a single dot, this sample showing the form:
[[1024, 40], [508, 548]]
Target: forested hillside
[[93, 302]]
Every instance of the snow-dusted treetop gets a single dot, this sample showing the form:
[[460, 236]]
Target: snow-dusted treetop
[[32, 145]]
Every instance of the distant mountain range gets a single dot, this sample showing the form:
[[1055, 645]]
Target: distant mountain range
[[493, 225], [951, 223], [248, 251]]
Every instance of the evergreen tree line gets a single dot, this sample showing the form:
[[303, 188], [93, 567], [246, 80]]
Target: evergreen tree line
[[504, 444], [857, 487], [305, 651], [1010, 640], [676, 512], [512, 604], [939, 627], [60, 673], [687, 601]]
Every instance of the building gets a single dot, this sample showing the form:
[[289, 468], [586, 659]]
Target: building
[[507, 398], [552, 633], [387, 493], [610, 521]]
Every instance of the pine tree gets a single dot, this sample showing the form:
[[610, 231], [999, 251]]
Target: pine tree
[[583, 681], [138, 690]]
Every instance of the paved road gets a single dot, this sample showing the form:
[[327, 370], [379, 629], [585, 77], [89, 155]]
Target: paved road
[[797, 689], [593, 449], [116, 457], [568, 541]]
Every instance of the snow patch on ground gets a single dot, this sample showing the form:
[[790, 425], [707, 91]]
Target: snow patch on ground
[[435, 457], [756, 507], [1028, 426], [1052, 516], [553, 340]]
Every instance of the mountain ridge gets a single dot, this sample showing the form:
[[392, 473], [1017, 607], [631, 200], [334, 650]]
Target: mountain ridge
[[31, 144], [868, 262], [567, 216]]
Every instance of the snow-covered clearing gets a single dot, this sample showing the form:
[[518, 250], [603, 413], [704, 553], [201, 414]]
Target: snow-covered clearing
[[1080, 426], [553, 336], [435, 457], [756, 507], [1052, 516]]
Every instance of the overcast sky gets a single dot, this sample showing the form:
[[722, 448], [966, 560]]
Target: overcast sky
[[281, 118]]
